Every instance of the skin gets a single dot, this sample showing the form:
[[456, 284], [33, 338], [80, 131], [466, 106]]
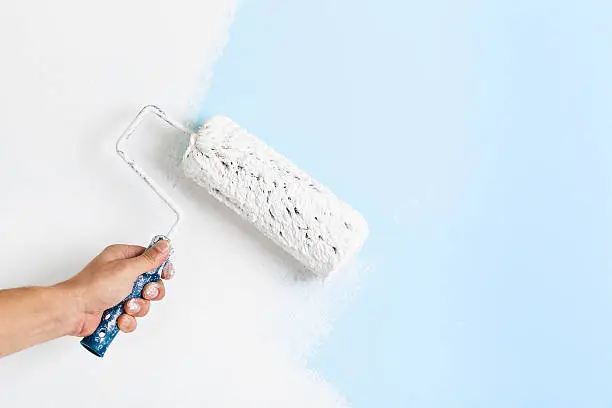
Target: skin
[[33, 315]]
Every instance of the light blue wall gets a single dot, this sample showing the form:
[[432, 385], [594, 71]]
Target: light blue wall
[[476, 138]]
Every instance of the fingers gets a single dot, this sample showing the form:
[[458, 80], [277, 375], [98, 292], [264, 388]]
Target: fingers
[[136, 262], [148, 260], [137, 307], [119, 251], [130, 251], [126, 323], [154, 291]]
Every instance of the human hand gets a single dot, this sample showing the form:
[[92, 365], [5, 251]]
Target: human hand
[[109, 278]]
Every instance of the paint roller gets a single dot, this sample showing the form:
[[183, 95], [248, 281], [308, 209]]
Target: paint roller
[[284, 203]]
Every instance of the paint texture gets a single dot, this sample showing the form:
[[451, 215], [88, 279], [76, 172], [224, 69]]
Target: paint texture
[[284, 203], [234, 328]]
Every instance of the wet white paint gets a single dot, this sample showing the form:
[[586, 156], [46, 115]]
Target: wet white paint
[[234, 328], [283, 202]]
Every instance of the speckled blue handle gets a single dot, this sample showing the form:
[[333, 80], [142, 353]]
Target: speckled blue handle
[[103, 336]]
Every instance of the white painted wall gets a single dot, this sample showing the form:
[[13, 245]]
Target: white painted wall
[[233, 328]]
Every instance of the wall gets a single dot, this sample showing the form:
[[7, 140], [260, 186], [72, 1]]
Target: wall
[[473, 135]]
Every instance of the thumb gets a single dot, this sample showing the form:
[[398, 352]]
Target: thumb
[[148, 260]]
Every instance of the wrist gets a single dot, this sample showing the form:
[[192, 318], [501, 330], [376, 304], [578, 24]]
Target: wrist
[[71, 315]]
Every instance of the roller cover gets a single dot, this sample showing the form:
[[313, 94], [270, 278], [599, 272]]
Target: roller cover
[[280, 200]]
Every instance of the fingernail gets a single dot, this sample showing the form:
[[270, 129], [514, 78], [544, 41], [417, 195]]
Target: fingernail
[[151, 291], [162, 245], [168, 272], [132, 306]]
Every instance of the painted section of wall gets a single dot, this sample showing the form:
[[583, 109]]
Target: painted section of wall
[[474, 136], [72, 78]]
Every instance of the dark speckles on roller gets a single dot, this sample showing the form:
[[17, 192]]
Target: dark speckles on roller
[[262, 186]]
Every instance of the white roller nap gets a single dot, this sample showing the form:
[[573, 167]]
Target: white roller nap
[[283, 202]]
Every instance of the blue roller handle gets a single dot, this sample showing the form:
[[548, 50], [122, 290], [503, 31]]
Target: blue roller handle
[[103, 336]]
